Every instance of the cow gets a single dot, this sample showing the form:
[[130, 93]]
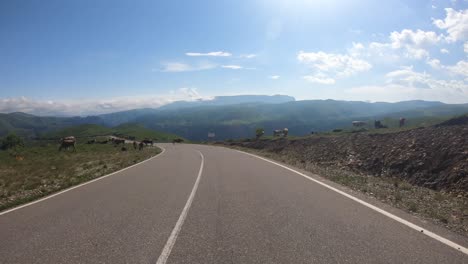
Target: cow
[[359, 123], [67, 142], [134, 145], [177, 140], [92, 141], [140, 146], [147, 142], [280, 132], [402, 121]]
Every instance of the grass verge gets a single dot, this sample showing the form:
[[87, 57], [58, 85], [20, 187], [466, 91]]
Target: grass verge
[[38, 171]]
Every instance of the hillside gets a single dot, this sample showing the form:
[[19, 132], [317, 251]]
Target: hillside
[[300, 117], [239, 116], [230, 100], [124, 130], [435, 157], [27, 125]]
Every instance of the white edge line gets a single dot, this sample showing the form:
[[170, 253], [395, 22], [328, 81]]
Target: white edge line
[[375, 208], [175, 232], [79, 185]]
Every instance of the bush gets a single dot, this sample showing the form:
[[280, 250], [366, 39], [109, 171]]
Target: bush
[[11, 141], [259, 133]]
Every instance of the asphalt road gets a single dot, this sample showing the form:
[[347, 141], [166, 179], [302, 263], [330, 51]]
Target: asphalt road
[[235, 209]]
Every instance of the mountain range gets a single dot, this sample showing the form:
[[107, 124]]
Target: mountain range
[[239, 116]]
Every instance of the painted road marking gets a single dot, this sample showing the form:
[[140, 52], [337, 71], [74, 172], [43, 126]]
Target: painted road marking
[[175, 232], [373, 207], [79, 185]]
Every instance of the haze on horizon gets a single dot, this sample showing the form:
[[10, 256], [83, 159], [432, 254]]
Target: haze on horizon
[[91, 57]]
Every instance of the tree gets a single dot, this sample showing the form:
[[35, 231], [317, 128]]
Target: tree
[[12, 141], [259, 133]]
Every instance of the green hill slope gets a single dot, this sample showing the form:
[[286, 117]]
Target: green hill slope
[[125, 130]]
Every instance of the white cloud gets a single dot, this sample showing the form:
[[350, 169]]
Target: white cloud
[[175, 67], [408, 43], [414, 42], [461, 68], [329, 66], [455, 23], [434, 63], [210, 54], [274, 77], [406, 84], [232, 67], [183, 67], [407, 77], [96, 106], [444, 51], [465, 47], [248, 56], [440, 90]]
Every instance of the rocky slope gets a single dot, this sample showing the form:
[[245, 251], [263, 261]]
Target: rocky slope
[[435, 157]]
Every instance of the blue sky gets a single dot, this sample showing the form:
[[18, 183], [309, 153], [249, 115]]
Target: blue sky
[[84, 57]]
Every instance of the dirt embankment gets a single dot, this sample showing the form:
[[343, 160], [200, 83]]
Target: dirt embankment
[[433, 157]]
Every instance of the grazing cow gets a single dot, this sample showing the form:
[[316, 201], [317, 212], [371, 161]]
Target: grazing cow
[[359, 123], [402, 121], [67, 142], [140, 146], [280, 133], [134, 145], [177, 140], [147, 142]]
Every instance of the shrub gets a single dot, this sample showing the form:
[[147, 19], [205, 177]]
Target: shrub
[[259, 132], [11, 141]]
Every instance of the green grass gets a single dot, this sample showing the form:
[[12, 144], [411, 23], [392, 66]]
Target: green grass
[[81, 131], [89, 131], [141, 132], [44, 170]]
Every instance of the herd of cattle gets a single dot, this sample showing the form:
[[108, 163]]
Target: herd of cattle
[[67, 142], [70, 142], [377, 124]]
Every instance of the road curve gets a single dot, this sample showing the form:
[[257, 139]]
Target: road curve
[[212, 205]]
